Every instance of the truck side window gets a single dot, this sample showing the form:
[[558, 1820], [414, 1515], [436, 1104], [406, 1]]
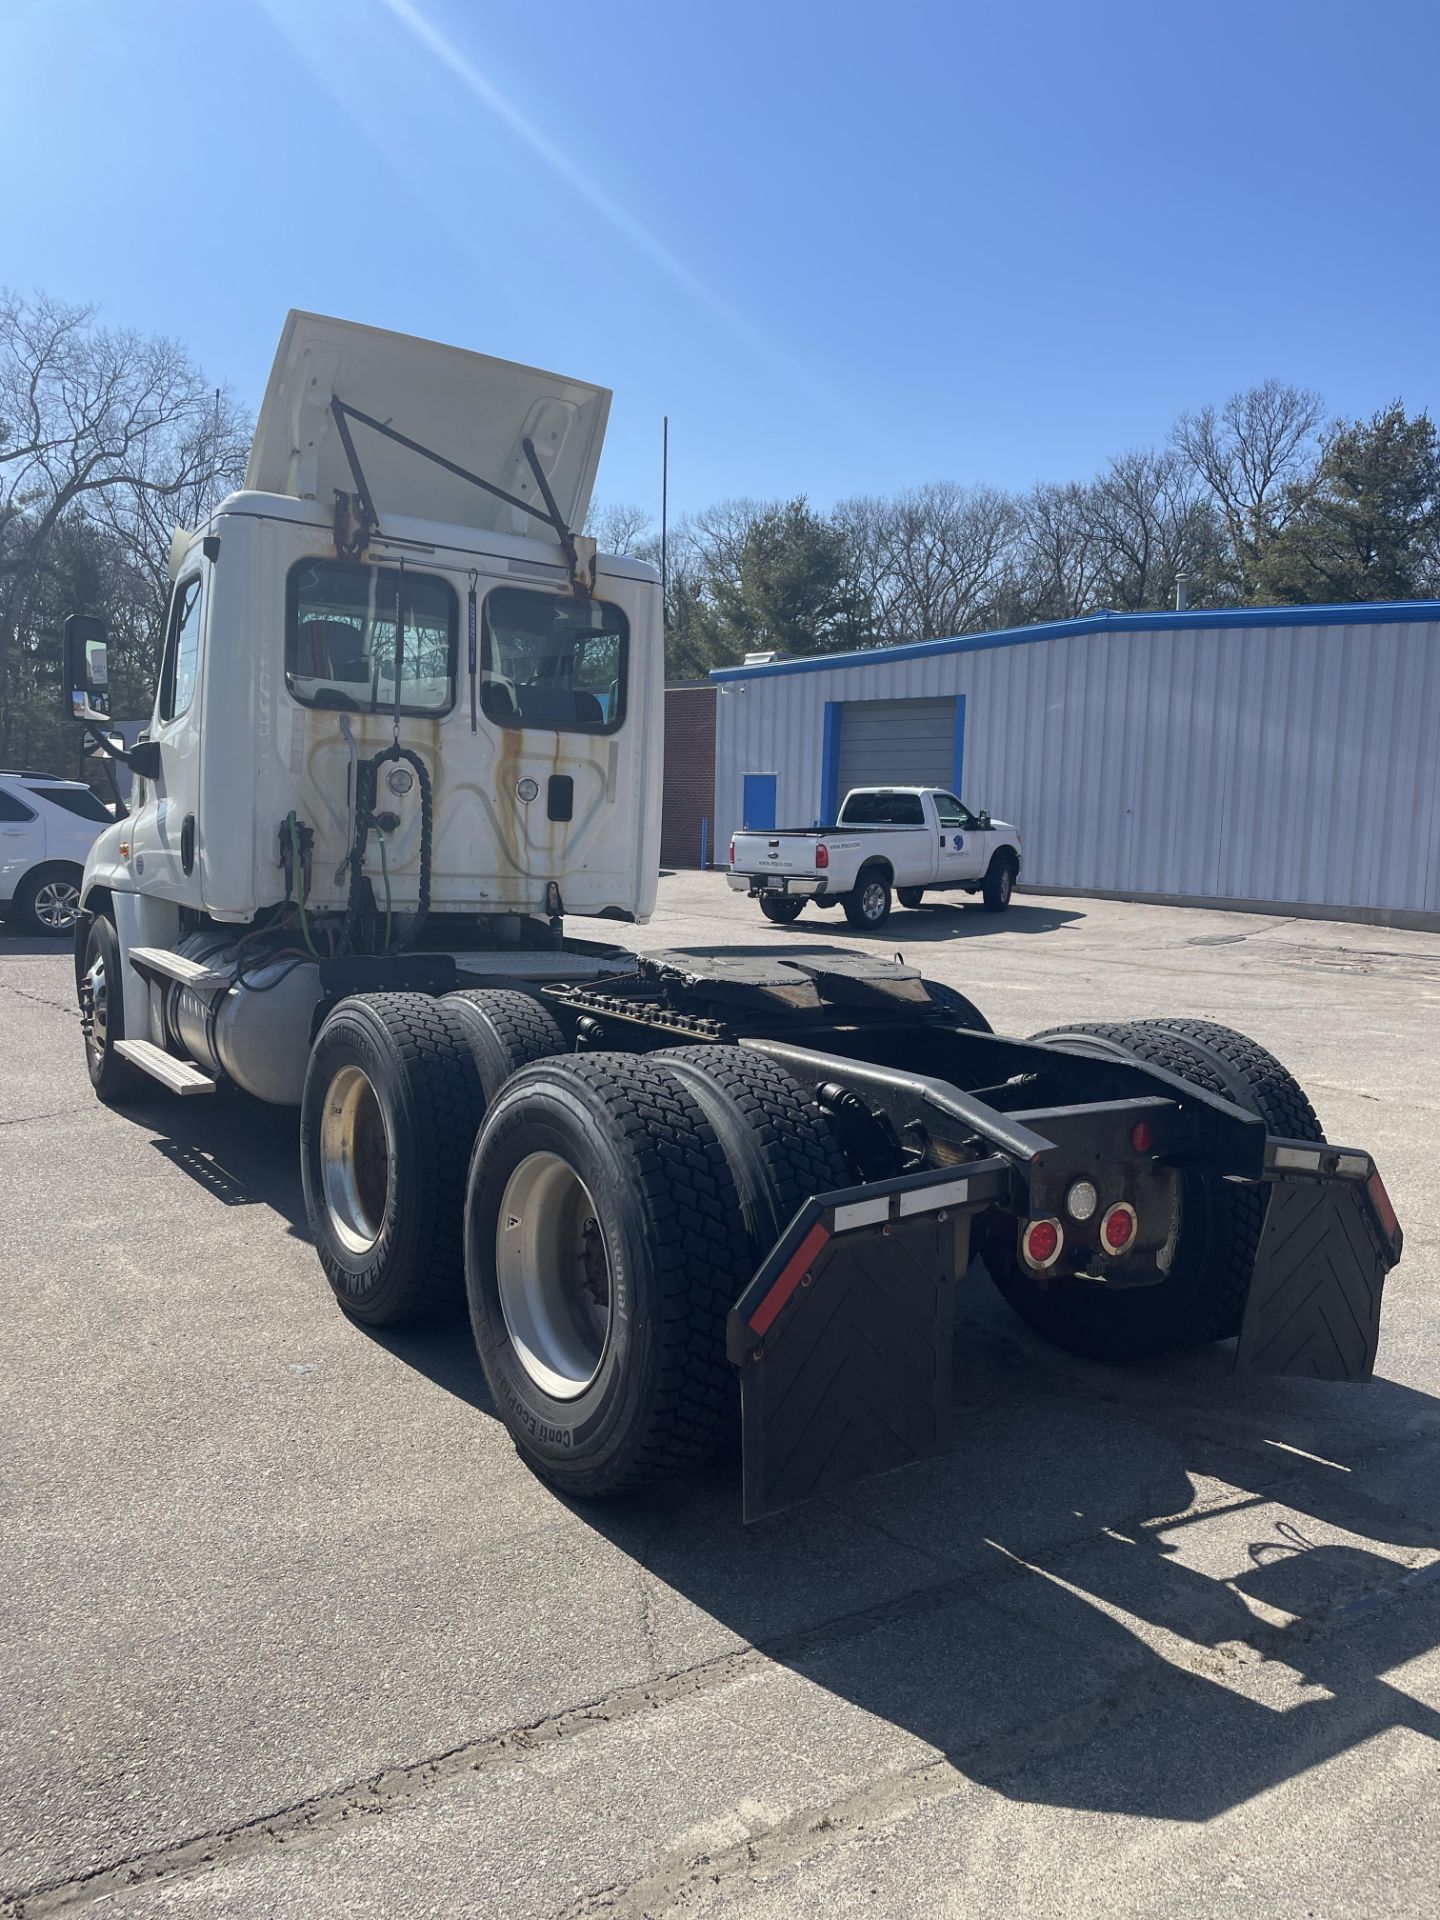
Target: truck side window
[[180, 668], [340, 637], [549, 660], [950, 813]]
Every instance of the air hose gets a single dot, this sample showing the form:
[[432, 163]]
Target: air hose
[[367, 780]]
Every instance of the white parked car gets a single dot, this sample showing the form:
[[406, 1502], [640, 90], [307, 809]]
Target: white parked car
[[47, 825], [909, 840]]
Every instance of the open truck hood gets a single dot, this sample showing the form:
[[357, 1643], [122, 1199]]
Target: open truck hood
[[465, 407]]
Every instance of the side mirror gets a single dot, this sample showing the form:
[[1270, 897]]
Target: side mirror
[[984, 819], [87, 674], [144, 759]]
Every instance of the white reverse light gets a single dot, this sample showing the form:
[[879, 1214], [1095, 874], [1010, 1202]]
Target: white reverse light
[[1081, 1200]]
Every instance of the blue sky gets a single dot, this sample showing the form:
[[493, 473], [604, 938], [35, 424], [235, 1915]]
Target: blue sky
[[846, 247]]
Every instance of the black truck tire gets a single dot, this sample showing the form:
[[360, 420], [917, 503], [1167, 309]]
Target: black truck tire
[[910, 896], [779, 1148], [999, 882], [867, 904], [966, 1013], [101, 995], [1202, 1298], [602, 1256], [507, 1031], [393, 1100], [782, 908]]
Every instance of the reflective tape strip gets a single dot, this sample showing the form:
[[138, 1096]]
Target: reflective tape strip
[[930, 1199], [789, 1278], [1297, 1159], [1354, 1165], [861, 1213]]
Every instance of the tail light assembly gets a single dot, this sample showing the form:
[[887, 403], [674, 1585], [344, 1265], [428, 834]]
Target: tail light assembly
[[822, 855], [732, 853], [1041, 1243], [1119, 1228]]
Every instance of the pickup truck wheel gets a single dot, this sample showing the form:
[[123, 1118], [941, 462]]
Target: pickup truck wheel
[[910, 896], [868, 905], [1202, 1298], [601, 1259], [781, 908], [102, 1013], [999, 883], [392, 1102]]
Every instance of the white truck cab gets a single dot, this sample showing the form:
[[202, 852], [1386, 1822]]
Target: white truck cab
[[395, 689], [906, 840]]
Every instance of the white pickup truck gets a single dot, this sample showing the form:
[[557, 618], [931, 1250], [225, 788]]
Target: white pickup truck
[[906, 840]]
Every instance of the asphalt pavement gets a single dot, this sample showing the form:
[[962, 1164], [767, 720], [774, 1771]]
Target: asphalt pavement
[[286, 1626]]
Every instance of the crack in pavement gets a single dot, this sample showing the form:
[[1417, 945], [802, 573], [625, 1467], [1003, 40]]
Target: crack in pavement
[[322, 1817]]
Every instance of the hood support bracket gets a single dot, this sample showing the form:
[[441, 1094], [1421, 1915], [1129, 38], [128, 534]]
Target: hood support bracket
[[357, 520]]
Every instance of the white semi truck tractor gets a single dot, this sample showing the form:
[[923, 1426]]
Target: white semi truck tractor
[[406, 720]]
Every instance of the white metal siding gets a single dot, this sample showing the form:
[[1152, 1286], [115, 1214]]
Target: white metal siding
[[907, 743], [1288, 763]]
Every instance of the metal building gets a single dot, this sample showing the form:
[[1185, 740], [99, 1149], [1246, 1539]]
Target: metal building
[[1274, 757]]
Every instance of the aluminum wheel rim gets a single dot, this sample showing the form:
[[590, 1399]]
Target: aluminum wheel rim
[[553, 1274], [354, 1160], [95, 1005], [872, 901], [57, 905]]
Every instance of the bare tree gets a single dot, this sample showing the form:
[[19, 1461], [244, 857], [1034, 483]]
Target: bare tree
[[623, 528], [1149, 521], [944, 549], [1252, 455], [1058, 553], [97, 426]]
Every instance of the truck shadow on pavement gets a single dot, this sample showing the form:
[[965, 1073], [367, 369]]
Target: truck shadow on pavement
[[1155, 1591]]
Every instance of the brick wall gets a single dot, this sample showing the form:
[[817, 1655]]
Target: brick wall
[[689, 774]]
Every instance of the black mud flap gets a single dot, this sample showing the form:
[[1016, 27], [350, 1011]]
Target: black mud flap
[[843, 1338], [1329, 1239]]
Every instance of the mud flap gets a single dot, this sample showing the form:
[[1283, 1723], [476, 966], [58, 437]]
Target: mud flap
[[844, 1337], [1330, 1237]]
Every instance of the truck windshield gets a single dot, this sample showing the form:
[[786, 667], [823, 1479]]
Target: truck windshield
[[882, 810], [549, 660], [340, 637]]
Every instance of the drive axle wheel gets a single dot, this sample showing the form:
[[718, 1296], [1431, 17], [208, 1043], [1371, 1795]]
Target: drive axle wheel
[[782, 908], [1202, 1297], [393, 1099], [601, 1259]]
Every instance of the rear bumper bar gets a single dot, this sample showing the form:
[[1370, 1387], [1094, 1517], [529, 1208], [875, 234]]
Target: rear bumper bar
[[803, 883]]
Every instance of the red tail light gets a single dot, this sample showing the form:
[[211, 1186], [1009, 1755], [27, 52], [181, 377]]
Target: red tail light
[[822, 855], [1041, 1242], [1119, 1228], [732, 853]]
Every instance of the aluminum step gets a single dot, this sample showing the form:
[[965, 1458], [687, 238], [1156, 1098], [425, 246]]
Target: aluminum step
[[180, 1076], [174, 966]]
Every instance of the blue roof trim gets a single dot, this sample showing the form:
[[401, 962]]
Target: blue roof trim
[[1370, 613]]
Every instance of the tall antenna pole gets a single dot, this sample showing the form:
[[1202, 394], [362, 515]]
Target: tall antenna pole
[[664, 519]]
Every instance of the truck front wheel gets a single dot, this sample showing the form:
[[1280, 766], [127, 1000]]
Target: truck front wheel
[[102, 1012], [999, 883]]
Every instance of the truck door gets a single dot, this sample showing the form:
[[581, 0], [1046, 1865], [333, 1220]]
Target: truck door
[[961, 851], [164, 827]]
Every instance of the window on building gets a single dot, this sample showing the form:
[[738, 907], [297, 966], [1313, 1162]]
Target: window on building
[[340, 637], [549, 660]]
